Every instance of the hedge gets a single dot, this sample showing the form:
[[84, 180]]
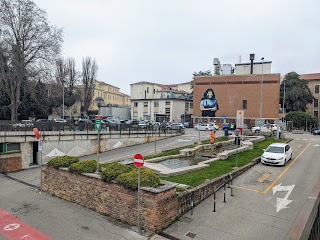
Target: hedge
[[65, 161], [87, 166], [112, 170], [130, 179]]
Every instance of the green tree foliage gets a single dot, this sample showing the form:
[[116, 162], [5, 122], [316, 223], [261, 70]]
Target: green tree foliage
[[301, 120], [200, 73], [297, 93]]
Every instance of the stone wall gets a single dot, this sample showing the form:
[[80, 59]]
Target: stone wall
[[10, 162], [206, 189], [158, 207]]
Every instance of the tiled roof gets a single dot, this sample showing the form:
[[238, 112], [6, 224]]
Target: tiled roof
[[311, 76]]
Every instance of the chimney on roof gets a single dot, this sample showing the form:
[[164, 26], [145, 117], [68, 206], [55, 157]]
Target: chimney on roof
[[251, 59], [216, 66]]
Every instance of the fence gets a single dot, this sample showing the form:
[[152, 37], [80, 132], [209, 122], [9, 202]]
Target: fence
[[51, 128]]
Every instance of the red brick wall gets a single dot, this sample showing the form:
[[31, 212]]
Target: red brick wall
[[10, 162], [157, 210], [231, 90]]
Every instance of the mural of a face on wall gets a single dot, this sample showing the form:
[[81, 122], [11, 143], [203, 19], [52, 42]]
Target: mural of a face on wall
[[209, 104]]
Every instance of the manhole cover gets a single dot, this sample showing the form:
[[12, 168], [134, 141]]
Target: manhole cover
[[191, 235]]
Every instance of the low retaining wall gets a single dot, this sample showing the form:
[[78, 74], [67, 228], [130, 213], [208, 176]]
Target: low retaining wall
[[10, 162], [158, 207]]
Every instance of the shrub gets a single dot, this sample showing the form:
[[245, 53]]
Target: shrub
[[112, 170], [64, 161], [87, 166], [130, 179]]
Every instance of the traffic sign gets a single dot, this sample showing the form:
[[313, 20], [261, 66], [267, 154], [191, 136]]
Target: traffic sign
[[98, 124], [36, 133], [223, 118], [138, 160]]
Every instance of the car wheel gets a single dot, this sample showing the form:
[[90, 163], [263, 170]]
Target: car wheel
[[290, 157], [256, 131]]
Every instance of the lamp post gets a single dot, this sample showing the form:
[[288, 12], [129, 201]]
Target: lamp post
[[284, 99], [62, 99], [99, 102], [261, 85]]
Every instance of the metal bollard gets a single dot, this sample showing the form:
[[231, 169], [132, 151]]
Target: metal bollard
[[224, 193], [232, 195], [192, 203], [214, 202]]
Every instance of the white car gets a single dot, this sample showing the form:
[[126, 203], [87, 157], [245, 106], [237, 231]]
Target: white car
[[271, 128], [206, 127], [59, 120], [277, 154], [176, 126]]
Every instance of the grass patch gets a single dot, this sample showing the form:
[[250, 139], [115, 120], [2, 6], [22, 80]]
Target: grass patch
[[221, 167], [176, 150]]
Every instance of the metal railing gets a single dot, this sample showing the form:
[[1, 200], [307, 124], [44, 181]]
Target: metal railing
[[51, 128]]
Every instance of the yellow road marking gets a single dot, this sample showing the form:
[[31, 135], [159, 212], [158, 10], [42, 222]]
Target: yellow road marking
[[284, 171], [248, 189], [264, 177], [277, 179]]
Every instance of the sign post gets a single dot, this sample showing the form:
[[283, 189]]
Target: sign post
[[240, 120], [138, 162], [98, 128], [40, 149]]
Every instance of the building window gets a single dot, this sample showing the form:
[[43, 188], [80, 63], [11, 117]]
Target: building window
[[154, 91], [135, 104], [156, 104], [9, 147], [186, 106], [316, 114], [191, 105], [168, 110], [135, 114], [145, 104], [315, 103], [244, 104], [316, 88], [147, 89], [168, 103]]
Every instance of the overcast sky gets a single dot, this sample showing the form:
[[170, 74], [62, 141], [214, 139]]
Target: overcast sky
[[165, 41]]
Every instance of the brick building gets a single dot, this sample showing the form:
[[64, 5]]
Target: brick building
[[239, 92], [313, 80]]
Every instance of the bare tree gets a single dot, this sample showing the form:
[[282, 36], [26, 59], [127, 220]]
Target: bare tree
[[30, 45], [72, 75], [89, 75]]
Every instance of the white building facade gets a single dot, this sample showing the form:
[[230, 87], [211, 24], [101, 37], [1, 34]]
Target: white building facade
[[158, 102]]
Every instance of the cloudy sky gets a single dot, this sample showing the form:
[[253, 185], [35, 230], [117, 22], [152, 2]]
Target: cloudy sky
[[166, 41]]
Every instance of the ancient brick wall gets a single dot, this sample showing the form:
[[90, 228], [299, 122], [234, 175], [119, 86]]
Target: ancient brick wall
[[158, 208], [10, 162]]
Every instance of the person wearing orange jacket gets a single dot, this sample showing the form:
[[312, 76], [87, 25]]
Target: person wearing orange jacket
[[212, 136]]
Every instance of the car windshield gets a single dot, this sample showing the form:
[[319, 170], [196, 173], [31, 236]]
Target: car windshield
[[274, 149]]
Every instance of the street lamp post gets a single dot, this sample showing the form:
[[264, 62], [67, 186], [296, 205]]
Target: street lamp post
[[261, 85], [62, 99]]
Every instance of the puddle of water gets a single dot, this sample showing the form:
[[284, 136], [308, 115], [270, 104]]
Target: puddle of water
[[183, 162]]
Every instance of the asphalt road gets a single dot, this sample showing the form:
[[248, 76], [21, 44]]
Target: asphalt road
[[250, 214], [266, 203], [190, 137]]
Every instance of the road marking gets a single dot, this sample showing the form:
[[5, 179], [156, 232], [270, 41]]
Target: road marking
[[264, 177], [284, 171], [317, 145], [277, 179], [282, 203], [299, 145], [12, 228]]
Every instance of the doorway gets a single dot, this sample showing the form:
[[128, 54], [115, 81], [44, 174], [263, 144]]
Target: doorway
[[35, 149]]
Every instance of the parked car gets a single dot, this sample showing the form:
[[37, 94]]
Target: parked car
[[206, 127], [266, 128], [277, 154], [59, 120], [143, 123], [173, 126], [83, 124], [132, 121], [316, 131]]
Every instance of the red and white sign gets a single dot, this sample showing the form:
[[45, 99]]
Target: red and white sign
[[138, 160], [36, 133]]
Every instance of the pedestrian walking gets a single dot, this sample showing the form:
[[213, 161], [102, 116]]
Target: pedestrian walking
[[212, 136]]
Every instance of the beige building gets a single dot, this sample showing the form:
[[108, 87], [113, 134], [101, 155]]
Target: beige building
[[110, 94], [159, 102], [313, 80]]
